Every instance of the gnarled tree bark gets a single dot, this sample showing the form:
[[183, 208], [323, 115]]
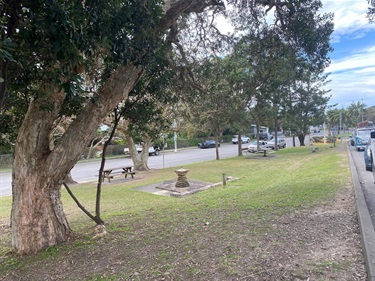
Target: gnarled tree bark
[[37, 219]]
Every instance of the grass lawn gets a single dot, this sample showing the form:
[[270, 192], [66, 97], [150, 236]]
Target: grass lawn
[[224, 233]]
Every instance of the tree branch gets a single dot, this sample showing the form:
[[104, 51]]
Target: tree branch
[[79, 204]]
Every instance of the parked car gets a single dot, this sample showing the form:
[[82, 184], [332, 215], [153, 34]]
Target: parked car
[[265, 136], [280, 144], [372, 151], [362, 136], [367, 156], [253, 147], [208, 144], [152, 150], [352, 138], [244, 139]]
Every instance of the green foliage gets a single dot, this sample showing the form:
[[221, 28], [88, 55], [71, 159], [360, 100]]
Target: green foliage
[[145, 106], [216, 101], [350, 116], [6, 48], [60, 45], [370, 113]]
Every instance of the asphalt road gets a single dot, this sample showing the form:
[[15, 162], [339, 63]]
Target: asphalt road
[[85, 171], [366, 180]]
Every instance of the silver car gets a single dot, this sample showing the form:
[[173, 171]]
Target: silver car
[[244, 139], [280, 144], [253, 147]]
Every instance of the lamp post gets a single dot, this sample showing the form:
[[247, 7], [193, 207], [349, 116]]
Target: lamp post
[[174, 126]]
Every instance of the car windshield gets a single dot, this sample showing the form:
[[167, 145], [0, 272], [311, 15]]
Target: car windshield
[[364, 133]]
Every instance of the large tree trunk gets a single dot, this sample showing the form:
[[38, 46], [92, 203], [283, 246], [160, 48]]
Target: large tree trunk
[[217, 146], [139, 159], [37, 218], [239, 144], [275, 136], [301, 138]]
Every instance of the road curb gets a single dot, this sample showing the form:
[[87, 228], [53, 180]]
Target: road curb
[[365, 223]]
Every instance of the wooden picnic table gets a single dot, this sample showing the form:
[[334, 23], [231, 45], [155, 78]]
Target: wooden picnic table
[[262, 150], [109, 173]]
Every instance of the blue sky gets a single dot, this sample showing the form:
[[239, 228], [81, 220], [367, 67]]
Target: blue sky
[[353, 59]]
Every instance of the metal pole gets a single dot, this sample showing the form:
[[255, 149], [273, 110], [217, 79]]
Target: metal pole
[[224, 180], [163, 149], [175, 141], [175, 134]]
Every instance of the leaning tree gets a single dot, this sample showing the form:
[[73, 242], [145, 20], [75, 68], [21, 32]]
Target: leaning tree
[[77, 59]]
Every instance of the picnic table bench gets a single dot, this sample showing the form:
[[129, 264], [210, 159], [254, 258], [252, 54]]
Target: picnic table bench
[[265, 151], [262, 150], [109, 173]]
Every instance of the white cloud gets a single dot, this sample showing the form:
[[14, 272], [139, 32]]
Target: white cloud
[[353, 79], [349, 18], [364, 58], [353, 70]]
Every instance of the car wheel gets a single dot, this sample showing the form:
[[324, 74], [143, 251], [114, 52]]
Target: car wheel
[[157, 152]]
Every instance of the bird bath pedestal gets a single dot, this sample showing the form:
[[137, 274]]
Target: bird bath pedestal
[[182, 180]]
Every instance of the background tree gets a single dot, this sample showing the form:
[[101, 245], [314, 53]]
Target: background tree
[[308, 102], [270, 63], [338, 119], [145, 109], [370, 113], [100, 137], [214, 101], [357, 110]]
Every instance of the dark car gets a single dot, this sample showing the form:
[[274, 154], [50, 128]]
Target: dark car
[[368, 160], [208, 144]]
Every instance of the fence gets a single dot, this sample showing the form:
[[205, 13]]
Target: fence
[[6, 161]]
